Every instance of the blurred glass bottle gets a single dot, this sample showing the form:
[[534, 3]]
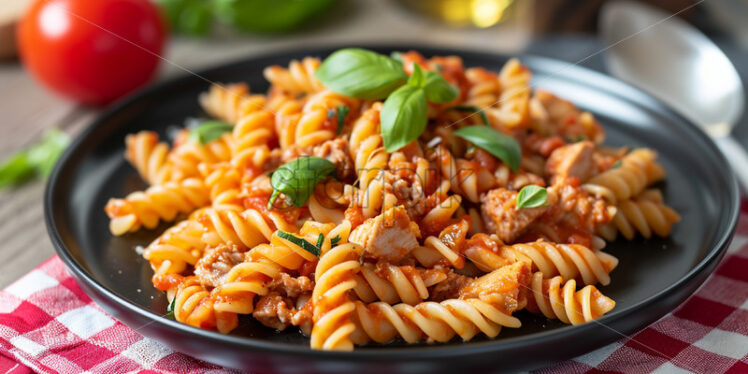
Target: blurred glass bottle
[[462, 13]]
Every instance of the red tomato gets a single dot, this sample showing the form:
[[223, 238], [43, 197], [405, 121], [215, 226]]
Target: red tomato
[[93, 51]]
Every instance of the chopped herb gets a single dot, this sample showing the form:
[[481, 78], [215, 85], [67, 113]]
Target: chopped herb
[[532, 196], [473, 109], [320, 240], [170, 308], [578, 139], [300, 95], [439, 67], [330, 113], [342, 113], [305, 245], [334, 241], [616, 164]]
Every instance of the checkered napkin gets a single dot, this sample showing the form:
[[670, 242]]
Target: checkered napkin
[[48, 325]]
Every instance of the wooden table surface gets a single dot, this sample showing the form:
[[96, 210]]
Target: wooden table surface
[[28, 109]]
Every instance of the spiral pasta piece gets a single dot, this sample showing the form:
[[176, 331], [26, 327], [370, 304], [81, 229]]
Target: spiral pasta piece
[[187, 157], [440, 322], [556, 299], [148, 156], [484, 87], [236, 294], [638, 170], [252, 130], [223, 182], [157, 203], [572, 261], [193, 304], [513, 103], [231, 101], [645, 214], [175, 249], [233, 225], [393, 284], [334, 279], [466, 178], [297, 79]]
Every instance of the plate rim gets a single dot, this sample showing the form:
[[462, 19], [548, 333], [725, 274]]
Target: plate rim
[[713, 255]]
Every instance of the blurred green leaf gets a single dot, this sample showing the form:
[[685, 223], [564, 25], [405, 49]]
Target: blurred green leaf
[[192, 17], [15, 170], [39, 158], [267, 15], [44, 154]]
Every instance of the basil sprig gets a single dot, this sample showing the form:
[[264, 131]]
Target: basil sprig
[[494, 142], [305, 245], [368, 75], [404, 113], [473, 109], [616, 164], [209, 131], [298, 178], [360, 73], [532, 196]]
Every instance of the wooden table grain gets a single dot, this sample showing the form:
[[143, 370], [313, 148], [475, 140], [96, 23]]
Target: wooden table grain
[[27, 109]]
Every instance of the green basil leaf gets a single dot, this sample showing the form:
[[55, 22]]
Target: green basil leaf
[[360, 73], [417, 79], [305, 245], [502, 146], [15, 169], [320, 240], [209, 131], [334, 241], [403, 117], [170, 308], [532, 196], [438, 90], [616, 164], [473, 109], [298, 178], [43, 156], [342, 113]]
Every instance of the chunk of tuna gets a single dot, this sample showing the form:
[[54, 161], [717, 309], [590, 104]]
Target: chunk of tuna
[[502, 287], [389, 236], [572, 160], [501, 216]]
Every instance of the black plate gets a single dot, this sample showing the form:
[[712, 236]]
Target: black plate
[[653, 277]]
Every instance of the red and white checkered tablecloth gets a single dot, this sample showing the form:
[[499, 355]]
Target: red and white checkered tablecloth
[[48, 325]]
